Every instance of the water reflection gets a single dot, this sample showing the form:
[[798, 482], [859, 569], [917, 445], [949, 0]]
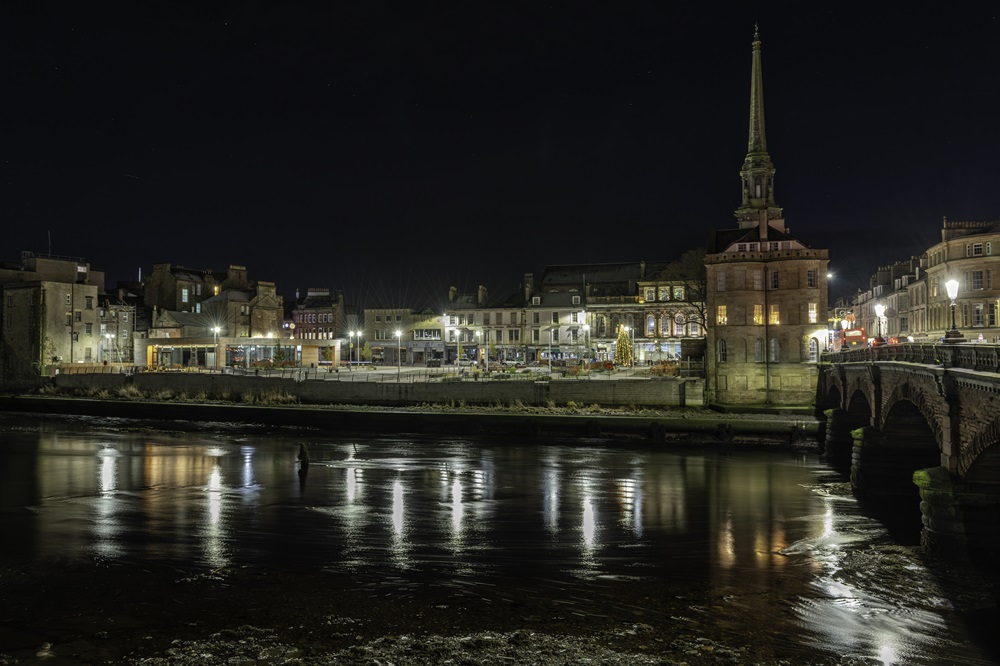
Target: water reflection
[[753, 529], [106, 524]]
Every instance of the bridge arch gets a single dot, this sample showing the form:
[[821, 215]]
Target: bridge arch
[[899, 413]]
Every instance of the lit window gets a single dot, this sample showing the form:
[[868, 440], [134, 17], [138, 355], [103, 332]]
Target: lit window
[[775, 315], [184, 295], [758, 314], [720, 315], [813, 315]]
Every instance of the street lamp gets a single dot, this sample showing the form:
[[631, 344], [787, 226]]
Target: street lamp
[[586, 331], [879, 311], [399, 335], [953, 335], [479, 344], [550, 351], [215, 341]]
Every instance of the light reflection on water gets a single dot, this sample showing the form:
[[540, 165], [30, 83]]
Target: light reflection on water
[[756, 530]]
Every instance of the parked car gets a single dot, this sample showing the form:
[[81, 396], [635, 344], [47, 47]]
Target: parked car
[[465, 361]]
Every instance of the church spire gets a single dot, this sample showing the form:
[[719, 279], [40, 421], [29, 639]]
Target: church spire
[[758, 172]]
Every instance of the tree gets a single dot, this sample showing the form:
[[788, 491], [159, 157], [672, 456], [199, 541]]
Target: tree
[[623, 347], [690, 270], [366, 352]]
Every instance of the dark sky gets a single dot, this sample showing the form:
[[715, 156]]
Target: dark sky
[[395, 149]]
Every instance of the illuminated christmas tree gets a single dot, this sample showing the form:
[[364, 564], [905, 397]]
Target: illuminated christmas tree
[[623, 347]]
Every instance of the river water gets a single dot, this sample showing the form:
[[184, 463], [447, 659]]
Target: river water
[[761, 553]]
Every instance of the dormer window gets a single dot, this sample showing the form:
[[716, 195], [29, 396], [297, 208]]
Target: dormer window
[[536, 300]]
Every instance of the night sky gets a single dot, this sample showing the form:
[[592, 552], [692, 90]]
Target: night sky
[[394, 150]]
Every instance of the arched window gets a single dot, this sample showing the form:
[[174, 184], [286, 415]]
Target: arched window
[[602, 326], [758, 350], [665, 325], [813, 350], [650, 326], [775, 351], [723, 352]]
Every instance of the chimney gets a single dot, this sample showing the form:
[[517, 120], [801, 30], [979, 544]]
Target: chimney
[[529, 285], [482, 295], [452, 292]]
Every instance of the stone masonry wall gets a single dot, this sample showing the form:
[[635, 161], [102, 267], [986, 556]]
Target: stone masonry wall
[[624, 392]]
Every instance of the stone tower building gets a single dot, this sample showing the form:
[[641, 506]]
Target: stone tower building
[[766, 292]]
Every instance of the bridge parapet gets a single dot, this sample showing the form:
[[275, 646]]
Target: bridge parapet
[[975, 356]]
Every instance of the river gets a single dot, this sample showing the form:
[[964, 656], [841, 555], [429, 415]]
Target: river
[[122, 538]]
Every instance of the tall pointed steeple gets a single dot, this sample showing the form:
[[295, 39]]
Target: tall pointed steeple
[[758, 205]]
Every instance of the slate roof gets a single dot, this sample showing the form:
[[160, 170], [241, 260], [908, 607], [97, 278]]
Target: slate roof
[[721, 239]]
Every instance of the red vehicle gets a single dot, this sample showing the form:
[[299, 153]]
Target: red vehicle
[[854, 337]]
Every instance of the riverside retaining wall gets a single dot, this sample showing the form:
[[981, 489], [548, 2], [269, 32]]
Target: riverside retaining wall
[[644, 392]]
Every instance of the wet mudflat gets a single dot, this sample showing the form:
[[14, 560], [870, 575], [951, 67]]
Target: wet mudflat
[[211, 544]]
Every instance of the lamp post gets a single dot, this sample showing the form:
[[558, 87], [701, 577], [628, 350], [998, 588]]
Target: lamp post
[[399, 363], [109, 349], [550, 351], [586, 332], [844, 325], [215, 341], [953, 335], [631, 331], [879, 311], [479, 344]]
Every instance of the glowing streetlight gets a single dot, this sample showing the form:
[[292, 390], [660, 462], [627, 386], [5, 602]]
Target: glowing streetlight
[[215, 341], [550, 351], [399, 335], [879, 311], [953, 335], [631, 331]]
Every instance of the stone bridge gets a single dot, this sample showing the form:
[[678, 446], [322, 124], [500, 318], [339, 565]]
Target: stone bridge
[[919, 425]]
